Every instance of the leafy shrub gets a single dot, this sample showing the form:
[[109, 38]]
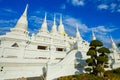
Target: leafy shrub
[[117, 71], [109, 75]]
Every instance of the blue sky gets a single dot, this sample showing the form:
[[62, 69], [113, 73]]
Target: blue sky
[[102, 16]]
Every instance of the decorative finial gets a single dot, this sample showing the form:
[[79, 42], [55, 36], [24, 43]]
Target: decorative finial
[[45, 17], [77, 28], [54, 25], [60, 18], [78, 36], [54, 19], [113, 44], [93, 35], [25, 12]]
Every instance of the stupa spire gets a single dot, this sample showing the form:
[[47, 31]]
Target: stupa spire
[[22, 22], [61, 19], [54, 27], [44, 24], [54, 20], [113, 45], [61, 27], [93, 35], [78, 36], [45, 18], [25, 12], [21, 27]]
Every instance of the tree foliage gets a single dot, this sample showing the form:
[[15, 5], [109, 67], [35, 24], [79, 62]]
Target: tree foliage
[[118, 44], [88, 70], [98, 58], [103, 50], [91, 52], [96, 43]]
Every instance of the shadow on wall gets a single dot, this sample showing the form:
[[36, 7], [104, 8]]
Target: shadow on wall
[[112, 62], [79, 63]]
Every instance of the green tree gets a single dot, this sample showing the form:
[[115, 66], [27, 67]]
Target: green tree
[[98, 58], [118, 44]]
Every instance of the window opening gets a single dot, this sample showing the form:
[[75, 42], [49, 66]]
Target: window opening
[[42, 47], [59, 49], [15, 45]]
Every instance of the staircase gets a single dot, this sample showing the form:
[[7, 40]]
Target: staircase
[[64, 67]]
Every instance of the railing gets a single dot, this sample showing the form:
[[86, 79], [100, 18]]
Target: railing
[[10, 52], [58, 69], [36, 53]]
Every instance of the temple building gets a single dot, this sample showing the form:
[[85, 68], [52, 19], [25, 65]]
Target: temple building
[[50, 54]]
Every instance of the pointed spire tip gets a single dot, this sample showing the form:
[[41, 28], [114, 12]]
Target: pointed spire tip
[[27, 5], [54, 18], [60, 18], [26, 8], [77, 30], [93, 35], [45, 16]]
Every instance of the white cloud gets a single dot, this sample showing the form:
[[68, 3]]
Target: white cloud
[[70, 25], [5, 25], [8, 21], [103, 33], [9, 10], [63, 6], [37, 21], [106, 39], [39, 11], [72, 22], [69, 22], [117, 41], [77, 2], [118, 10], [110, 5], [103, 29], [102, 6], [113, 5], [3, 30]]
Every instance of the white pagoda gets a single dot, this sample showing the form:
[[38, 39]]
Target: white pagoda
[[48, 53]]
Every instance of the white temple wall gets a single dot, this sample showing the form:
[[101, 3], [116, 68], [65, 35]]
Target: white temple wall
[[11, 52], [59, 54], [16, 52], [13, 71], [37, 54], [116, 65]]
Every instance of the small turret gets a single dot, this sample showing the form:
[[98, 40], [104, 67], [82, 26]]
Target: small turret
[[61, 19], [93, 35], [113, 45], [21, 27], [22, 22], [61, 27], [54, 27], [44, 25], [78, 36]]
